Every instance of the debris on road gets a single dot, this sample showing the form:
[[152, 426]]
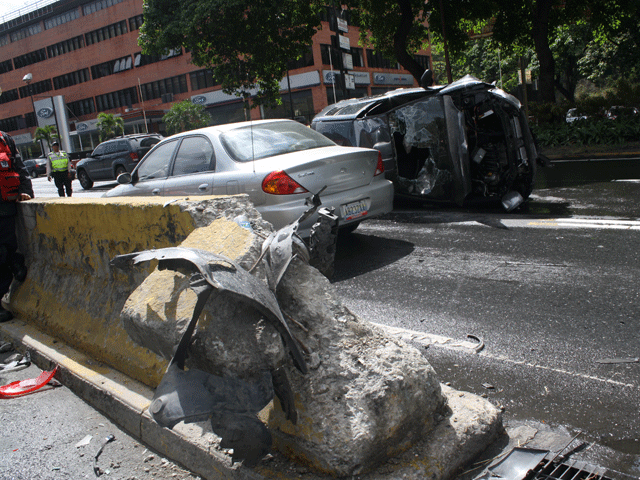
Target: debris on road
[[612, 361], [22, 387], [97, 469]]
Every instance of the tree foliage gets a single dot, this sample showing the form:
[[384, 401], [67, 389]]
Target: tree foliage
[[47, 134], [395, 28], [184, 116], [109, 126], [518, 25], [247, 44]]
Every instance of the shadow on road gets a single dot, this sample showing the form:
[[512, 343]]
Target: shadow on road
[[357, 254]]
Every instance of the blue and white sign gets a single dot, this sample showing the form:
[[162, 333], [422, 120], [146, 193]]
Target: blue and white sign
[[199, 100], [392, 79], [45, 112]]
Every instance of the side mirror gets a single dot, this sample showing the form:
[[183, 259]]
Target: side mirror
[[427, 79], [124, 178]]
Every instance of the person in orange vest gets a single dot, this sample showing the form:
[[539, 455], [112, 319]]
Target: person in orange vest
[[15, 186], [59, 167]]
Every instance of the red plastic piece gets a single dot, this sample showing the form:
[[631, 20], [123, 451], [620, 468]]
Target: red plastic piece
[[22, 387]]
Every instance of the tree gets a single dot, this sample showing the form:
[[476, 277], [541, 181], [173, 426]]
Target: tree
[[521, 24], [184, 116], [108, 125], [395, 28], [47, 134], [246, 43]]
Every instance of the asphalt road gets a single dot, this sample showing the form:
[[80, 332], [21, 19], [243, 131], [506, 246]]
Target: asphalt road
[[551, 290]]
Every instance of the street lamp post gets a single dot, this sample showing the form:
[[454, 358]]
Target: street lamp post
[[27, 79]]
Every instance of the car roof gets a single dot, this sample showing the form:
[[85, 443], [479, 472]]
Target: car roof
[[230, 126]]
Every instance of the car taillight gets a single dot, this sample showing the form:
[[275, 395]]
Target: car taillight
[[279, 183], [380, 166], [134, 156]]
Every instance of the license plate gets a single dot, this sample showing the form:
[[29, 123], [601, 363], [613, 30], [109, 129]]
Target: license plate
[[354, 210]]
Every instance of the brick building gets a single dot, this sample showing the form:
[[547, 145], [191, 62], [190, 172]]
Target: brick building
[[64, 62]]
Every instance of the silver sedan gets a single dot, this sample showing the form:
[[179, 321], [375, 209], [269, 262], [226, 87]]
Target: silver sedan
[[278, 163]]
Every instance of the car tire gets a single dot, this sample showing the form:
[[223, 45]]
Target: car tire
[[85, 182], [120, 170], [33, 174]]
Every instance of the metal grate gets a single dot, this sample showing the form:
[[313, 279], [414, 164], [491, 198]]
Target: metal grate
[[571, 470]]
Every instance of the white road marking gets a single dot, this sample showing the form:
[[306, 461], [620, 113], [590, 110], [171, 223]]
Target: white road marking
[[426, 339]]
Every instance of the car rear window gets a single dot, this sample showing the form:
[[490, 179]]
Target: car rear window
[[267, 140]]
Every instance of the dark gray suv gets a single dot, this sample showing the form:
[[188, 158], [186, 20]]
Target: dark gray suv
[[462, 142], [113, 157]]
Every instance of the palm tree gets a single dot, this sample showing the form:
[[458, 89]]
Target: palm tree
[[109, 125], [47, 134]]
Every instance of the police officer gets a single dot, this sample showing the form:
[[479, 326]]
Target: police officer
[[15, 186], [59, 166]]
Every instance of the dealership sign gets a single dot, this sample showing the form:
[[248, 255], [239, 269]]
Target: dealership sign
[[45, 112]]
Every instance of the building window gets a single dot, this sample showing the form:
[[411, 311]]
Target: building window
[[159, 88], [135, 23], [302, 107], [65, 47], [121, 98], [109, 68], [93, 7], [11, 124], [6, 66], [30, 58], [9, 96], [202, 79], [358, 59], [36, 88], [62, 18], [4, 40], [423, 60], [70, 79], [31, 120], [82, 107], [305, 61], [141, 60], [26, 32], [325, 54], [376, 60], [105, 33]]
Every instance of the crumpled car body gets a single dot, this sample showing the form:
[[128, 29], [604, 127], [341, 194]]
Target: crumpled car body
[[451, 143]]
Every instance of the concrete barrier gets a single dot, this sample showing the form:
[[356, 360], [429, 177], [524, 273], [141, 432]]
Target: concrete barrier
[[367, 397]]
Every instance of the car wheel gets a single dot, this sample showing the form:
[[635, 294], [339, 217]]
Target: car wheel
[[85, 181], [33, 174], [119, 170]]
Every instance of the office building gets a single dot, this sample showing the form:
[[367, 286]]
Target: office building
[[63, 62]]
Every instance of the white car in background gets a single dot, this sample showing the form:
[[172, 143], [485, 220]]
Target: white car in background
[[278, 163]]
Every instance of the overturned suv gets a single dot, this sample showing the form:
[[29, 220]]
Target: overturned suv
[[455, 143]]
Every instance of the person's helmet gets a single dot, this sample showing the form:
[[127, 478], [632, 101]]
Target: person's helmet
[[55, 143]]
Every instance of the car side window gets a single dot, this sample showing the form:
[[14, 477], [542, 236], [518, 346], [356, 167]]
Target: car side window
[[98, 151], [194, 155], [123, 146], [110, 148], [156, 163]]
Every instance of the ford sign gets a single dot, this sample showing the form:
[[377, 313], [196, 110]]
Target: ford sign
[[82, 127], [45, 112], [199, 100]]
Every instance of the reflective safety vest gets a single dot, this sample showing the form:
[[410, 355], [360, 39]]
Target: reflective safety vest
[[59, 161]]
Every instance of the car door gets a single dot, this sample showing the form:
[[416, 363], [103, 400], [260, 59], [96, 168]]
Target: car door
[[193, 169], [151, 173], [104, 169]]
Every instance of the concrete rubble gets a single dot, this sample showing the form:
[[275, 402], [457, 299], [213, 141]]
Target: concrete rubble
[[370, 406]]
